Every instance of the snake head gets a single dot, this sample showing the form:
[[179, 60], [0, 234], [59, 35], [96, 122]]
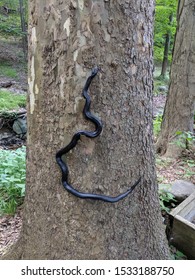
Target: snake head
[[94, 71]]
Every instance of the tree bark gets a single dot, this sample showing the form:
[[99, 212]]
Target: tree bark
[[179, 109], [67, 39]]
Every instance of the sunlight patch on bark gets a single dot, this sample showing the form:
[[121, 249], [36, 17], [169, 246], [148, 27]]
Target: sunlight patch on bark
[[75, 55], [67, 26], [81, 4], [36, 89], [62, 81], [31, 79]]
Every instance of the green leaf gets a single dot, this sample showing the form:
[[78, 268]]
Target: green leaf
[[178, 132]]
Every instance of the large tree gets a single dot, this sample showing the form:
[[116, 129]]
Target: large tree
[[67, 39], [180, 105]]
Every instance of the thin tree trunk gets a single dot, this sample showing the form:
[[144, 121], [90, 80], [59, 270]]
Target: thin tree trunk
[[67, 39], [180, 104], [166, 51], [165, 57], [23, 27]]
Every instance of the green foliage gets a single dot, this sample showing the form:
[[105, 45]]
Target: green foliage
[[7, 70], [190, 171], [10, 23], [188, 168], [176, 254], [165, 23], [8, 115], [12, 4], [165, 199], [12, 179], [184, 139], [179, 256], [157, 125], [159, 81], [163, 162], [10, 101]]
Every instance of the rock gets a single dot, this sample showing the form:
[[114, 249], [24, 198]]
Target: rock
[[5, 135], [157, 111], [180, 189], [163, 88], [20, 126], [8, 138], [6, 84]]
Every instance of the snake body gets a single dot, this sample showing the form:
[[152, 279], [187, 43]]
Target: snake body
[[90, 134]]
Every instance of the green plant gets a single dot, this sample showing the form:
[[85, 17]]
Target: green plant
[[12, 179], [157, 125], [8, 114], [163, 161], [190, 163], [10, 25], [184, 139], [159, 82], [161, 178], [165, 199], [7, 70], [12, 18], [176, 254], [190, 169], [10, 101]]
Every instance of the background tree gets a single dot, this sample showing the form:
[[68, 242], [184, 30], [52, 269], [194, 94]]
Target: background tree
[[23, 27], [179, 110], [67, 39], [165, 26], [13, 20]]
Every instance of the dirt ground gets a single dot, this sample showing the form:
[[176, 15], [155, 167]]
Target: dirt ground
[[10, 227]]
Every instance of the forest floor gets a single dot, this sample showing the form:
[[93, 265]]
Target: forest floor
[[13, 68], [168, 170]]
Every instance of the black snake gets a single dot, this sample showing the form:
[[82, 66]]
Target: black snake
[[76, 137]]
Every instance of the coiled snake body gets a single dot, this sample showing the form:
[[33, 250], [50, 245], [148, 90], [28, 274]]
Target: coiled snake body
[[90, 134]]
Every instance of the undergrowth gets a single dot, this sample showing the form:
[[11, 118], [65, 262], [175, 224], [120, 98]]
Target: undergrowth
[[12, 179], [166, 198], [7, 70], [10, 101], [157, 125], [185, 139]]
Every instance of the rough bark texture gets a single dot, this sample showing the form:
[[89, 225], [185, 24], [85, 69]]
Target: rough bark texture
[[67, 38], [180, 104]]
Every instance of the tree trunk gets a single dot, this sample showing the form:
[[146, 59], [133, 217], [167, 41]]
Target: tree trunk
[[67, 39], [165, 57], [166, 51], [179, 108], [23, 27]]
